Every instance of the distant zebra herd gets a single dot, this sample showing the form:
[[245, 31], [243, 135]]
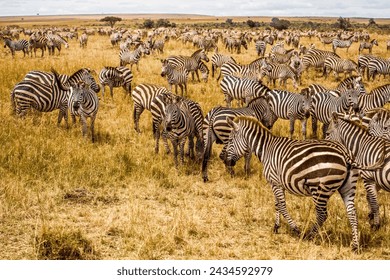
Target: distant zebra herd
[[355, 126]]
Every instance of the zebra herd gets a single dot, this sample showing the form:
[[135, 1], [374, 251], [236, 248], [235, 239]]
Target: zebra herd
[[355, 124]]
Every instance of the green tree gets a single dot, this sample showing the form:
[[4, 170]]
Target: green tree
[[280, 24], [343, 23], [111, 20], [148, 23]]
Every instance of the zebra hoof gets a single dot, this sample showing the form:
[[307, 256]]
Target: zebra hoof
[[276, 228], [205, 179], [375, 227]]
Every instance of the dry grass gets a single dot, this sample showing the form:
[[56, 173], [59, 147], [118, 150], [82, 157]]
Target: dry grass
[[63, 197]]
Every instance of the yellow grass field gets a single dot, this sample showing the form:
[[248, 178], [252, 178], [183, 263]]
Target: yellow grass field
[[63, 197]]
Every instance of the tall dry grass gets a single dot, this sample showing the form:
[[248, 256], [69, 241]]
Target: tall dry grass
[[62, 196]]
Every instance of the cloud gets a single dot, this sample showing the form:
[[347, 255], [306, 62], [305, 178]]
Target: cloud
[[359, 8]]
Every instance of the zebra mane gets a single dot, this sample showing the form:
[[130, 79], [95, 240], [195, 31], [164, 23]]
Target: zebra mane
[[256, 61], [196, 52], [352, 122]]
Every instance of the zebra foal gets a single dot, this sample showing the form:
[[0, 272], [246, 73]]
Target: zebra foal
[[311, 168]]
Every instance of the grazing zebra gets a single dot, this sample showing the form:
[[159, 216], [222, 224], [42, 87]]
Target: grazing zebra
[[242, 89], [143, 95], [368, 45], [316, 58], [344, 44], [175, 76], [83, 40], [346, 84], [20, 45], [311, 168], [83, 102], [178, 124], [363, 61], [132, 57], [297, 66], [339, 65], [158, 45], [47, 96], [261, 45], [281, 72], [378, 65], [204, 70], [55, 41], [377, 98], [377, 122], [190, 63], [119, 76], [251, 70], [291, 106], [367, 150], [37, 41], [234, 44], [324, 104], [218, 59], [217, 130]]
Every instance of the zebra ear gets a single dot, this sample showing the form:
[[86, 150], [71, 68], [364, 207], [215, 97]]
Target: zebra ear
[[232, 123]]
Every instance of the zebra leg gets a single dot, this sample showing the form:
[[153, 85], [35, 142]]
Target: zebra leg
[[209, 140], [324, 129], [247, 167], [165, 141], [191, 152], [314, 126], [93, 128], [347, 192], [292, 122], [136, 116], [84, 128], [222, 156], [280, 205], [372, 199], [304, 125], [181, 147]]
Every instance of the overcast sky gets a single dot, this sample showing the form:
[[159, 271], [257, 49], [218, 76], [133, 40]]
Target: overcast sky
[[344, 8]]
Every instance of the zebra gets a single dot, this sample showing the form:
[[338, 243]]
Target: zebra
[[316, 58], [377, 98], [218, 59], [324, 104], [378, 65], [204, 70], [37, 41], [158, 45], [281, 72], [346, 84], [158, 106], [143, 95], [47, 96], [282, 58], [367, 150], [314, 168], [55, 41], [115, 77], [234, 44], [216, 129], [261, 45], [297, 66], [377, 122], [190, 63], [251, 70], [339, 65], [83, 40], [363, 61], [242, 89], [345, 44], [368, 45], [178, 124], [20, 45], [132, 57], [84, 102], [175, 76], [291, 106]]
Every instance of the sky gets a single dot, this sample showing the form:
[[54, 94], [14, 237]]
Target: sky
[[333, 8]]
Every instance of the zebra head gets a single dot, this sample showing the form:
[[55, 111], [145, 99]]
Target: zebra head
[[172, 111], [165, 68], [333, 132], [203, 55], [353, 99], [76, 97], [237, 145], [380, 124]]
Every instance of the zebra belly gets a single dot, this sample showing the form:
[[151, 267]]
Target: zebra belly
[[381, 177]]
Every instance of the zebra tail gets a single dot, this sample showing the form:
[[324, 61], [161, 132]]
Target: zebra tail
[[57, 80]]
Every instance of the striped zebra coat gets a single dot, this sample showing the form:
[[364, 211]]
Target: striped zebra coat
[[190, 63], [132, 57], [377, 122], [251, 70], [368, 46], [378, 65], [242, 89], [41, 91], [281, 72], [377, 98], [218, 59], [217, 130], [311, 168], [37, 41], [178, 124], [84, 103], [113, 77], [20, 45], [339, 65], [175, 76], [367, 150]]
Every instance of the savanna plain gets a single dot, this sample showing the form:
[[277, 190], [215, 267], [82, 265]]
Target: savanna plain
[[64, 197]]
